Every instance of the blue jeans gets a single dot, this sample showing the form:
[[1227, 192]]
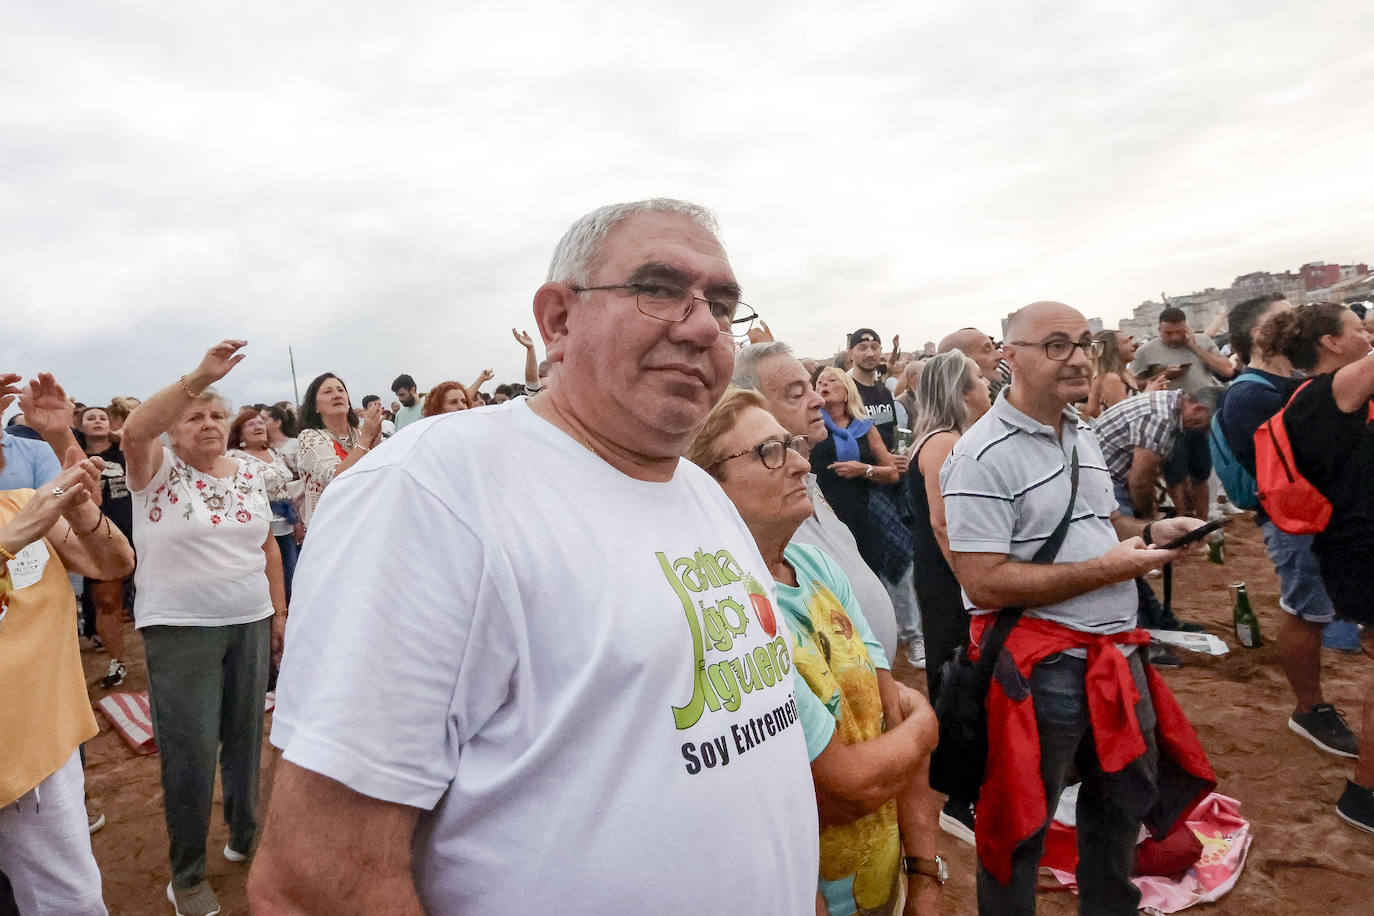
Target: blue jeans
[[1300, 577], [289, 553], [1107, 832]]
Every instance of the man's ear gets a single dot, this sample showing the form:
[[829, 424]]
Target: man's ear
[[551, 305], [1330, 343], [1009, 354]]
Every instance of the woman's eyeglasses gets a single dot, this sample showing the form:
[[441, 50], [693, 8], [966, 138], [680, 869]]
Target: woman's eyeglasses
[[772, 452]]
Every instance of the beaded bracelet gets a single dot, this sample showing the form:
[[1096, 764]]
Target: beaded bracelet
[[7, 555], [186, 390]]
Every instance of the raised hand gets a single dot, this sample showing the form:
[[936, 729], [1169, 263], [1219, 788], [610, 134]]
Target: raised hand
[[218, 360], [9, 389], [486, 376], [760, 333], [73, 487], [523, 338], [370, 430], [45, 405]]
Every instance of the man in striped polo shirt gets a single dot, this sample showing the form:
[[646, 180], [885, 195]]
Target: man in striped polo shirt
[[1006, 488]]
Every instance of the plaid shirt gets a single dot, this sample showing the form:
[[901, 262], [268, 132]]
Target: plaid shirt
[[1149, 421]]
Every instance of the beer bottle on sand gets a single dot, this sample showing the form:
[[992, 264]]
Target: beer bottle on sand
[[1244, 620]]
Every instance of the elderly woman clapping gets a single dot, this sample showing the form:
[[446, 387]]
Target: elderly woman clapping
[[210, 603], [871, 740]]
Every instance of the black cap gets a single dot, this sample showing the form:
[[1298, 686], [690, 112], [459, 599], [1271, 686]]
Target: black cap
[[863, 334]]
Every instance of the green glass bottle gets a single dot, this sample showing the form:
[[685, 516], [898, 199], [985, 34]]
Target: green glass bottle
[[1216, 547], [1244, 620]]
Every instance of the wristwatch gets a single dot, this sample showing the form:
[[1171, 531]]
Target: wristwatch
[[868, 472], [935, 868]]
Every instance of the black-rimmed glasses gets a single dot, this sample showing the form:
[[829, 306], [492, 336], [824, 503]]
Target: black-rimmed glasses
[[772, 452], [1061, 348], [669, 302]]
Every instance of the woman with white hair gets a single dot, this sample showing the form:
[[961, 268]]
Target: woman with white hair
[[210, 604]]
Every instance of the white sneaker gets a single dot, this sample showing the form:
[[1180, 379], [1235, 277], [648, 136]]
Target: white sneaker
[[916, 654], [233, 855], [114, 676]]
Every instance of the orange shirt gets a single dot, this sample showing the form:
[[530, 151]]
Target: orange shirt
[[45, 712]]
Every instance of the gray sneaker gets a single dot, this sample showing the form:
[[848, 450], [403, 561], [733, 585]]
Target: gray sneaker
[[193, 901], [1325, 727]]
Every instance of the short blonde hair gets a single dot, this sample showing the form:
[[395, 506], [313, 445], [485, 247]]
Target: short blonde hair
[[722, 418], [857, 408]]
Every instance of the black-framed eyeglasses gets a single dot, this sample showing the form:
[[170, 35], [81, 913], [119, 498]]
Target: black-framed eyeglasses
[[772, 452], [670, 302], [1061, 348]]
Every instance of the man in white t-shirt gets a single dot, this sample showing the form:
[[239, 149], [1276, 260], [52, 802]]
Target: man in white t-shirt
[[580, 700]]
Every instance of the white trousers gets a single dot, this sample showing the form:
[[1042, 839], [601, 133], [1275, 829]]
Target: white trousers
[[45, 848]]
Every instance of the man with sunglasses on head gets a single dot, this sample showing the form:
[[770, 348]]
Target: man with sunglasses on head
[[607, 724], [1033, 524]]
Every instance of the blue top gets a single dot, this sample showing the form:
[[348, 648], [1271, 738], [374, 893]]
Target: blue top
[[1245, 407], [28, 463]]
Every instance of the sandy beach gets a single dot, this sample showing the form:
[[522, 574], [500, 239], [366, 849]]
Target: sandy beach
[[1304, 860]]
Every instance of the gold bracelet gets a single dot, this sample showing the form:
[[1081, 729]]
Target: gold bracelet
[[361, 446], [8, 556], [186, 390]]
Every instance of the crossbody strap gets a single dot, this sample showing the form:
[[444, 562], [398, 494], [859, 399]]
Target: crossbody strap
[[996, 635]]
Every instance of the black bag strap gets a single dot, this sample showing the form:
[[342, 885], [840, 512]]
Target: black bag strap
[[996, 635]]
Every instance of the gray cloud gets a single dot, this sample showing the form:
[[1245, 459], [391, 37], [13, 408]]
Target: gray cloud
[[380, 186]]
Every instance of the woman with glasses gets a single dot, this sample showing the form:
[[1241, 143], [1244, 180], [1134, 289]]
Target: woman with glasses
[[875, 803], [248, 438]]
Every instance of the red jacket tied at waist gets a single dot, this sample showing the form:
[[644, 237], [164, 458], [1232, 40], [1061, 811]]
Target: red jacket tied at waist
[[1012, 804]]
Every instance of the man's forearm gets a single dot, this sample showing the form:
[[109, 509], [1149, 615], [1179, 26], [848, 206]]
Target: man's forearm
[[531, 369], [1141, 483], [1217, 363], [61, 440], [328, 850], [1018, 584]]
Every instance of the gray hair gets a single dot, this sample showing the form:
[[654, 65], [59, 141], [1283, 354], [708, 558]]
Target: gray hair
[[940, 396], [747, 361], [577, 252]]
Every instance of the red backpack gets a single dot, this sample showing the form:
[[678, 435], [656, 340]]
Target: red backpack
[[1290, 500]]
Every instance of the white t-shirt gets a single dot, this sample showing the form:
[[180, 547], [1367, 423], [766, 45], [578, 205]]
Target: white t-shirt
[[531, 682], [199, 541]]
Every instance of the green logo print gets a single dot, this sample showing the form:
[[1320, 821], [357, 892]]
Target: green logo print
[[716, 622]]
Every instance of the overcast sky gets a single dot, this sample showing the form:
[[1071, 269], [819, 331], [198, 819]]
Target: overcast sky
[[380, 186]]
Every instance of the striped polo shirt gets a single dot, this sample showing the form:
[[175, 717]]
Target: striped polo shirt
[[1006, 486], [1150, 421]]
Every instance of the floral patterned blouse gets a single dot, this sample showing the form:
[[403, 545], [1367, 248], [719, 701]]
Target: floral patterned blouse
[[319, 458], [275, 476], [200, 546]]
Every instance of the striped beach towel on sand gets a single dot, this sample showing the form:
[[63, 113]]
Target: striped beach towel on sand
[[131, 716]]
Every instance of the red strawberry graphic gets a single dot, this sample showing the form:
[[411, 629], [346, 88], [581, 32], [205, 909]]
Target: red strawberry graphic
[[763, 610]]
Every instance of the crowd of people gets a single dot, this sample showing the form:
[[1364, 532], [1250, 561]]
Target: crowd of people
[[658, 648]]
